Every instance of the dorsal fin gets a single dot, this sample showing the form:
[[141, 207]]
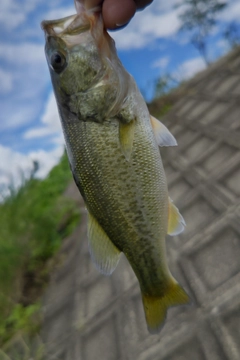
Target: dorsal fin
[[176, 222], [162, 134], [104, 253]]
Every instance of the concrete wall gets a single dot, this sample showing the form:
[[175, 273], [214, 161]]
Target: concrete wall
[[89, 316]]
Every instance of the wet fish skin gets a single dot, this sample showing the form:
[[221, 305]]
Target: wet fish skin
[[114, 158]]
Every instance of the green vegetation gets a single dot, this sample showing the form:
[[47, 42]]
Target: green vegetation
[[23, 347], [164, 95], [33, 222], [164, 85]]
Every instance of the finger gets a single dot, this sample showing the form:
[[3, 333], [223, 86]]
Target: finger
[[88, 4], [117, 13], [141, 4]]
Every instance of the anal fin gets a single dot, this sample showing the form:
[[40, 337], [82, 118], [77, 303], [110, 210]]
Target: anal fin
[[162, 134], [176, 222], [104, 253]]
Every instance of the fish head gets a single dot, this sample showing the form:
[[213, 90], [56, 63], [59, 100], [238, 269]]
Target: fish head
[[74, 51], [81, 56]]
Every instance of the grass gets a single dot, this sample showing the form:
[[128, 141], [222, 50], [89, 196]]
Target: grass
[[33, 222]]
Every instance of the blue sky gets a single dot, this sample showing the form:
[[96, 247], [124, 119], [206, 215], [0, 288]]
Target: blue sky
[[29, 125]]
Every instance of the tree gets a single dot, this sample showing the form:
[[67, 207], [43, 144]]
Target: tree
[[164, 84], [232, 34], [35, 168], [199, 17]]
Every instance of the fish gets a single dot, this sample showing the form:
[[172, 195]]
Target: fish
[[113, 144]]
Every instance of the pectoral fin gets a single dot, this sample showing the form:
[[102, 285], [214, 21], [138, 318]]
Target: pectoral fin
[[126, 136], [176, 223], [162, 134], [104, 253]]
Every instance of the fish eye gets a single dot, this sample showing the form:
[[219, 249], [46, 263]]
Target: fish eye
[[58, 61]]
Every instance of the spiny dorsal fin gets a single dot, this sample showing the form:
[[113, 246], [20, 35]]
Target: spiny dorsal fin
[[104, 253], [126, 136], [162, 134], [176, 223]]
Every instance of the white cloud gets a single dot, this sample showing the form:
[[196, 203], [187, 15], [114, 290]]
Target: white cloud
[[11, 20], [59, 13], [37, 132], [10, 15], [13, 117], [25, 102], [46, 160], [231, 12], [223, 45], [189, 68], [6, 82], [50, 120], [160, 25], [164, 6], [153, 23], [26, 64], [129, 40], [22, 54], [12, 161], [51, 117], [58, 140], [161, 63], [14, 12], [15, 167]]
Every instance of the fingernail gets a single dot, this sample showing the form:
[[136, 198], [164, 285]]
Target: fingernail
[[120, 26]]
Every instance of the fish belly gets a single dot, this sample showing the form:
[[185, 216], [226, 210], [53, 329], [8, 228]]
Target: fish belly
[[127, 198]]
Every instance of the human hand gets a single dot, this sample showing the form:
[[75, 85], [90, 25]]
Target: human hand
[[115, 13]]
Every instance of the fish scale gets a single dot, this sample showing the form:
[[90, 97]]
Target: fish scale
[[102, 185], [112, 145]]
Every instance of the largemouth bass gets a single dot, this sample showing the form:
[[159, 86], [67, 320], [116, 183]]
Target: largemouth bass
[[113, 148]]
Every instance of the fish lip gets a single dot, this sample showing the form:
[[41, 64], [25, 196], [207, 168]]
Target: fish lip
[[56, 27], [73, 24], [70, 28], [70, 25]]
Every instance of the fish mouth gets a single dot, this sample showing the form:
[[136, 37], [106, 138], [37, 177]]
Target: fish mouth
[[70, 25], [68, 29], [57, 27], [82, 21]]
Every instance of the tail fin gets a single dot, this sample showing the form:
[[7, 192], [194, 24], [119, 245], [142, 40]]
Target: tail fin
[[156, 307]]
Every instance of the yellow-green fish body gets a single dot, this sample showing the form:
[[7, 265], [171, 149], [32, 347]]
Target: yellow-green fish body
[[112, 145]]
